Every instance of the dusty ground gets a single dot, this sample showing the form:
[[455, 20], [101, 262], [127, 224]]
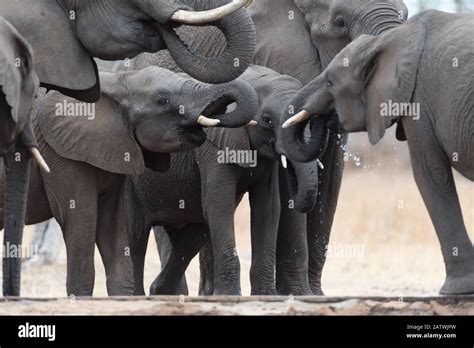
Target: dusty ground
[[383, 243]]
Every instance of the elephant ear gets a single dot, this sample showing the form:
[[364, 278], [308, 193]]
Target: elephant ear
[[283, 40], [226, 139], [62, 63], [97, 134], [18, 81], [388, 65]]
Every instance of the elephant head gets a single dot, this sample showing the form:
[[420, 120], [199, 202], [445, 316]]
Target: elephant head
[[310, 33], [18, 86], [364, 79], [66, 34], [141, 117], [274, 92]]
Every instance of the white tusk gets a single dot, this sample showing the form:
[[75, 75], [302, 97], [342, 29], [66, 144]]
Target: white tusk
[[320, 164], [299, 117], [39, 159], [284, 163], [252, 123], [207, 122], [209, 16]]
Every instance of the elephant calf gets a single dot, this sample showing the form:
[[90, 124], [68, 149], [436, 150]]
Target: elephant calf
[[418, 75], [195, 201], [140, 117]]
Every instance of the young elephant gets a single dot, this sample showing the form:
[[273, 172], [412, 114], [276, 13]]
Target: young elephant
[[423, 70], [141, 116], [197, 198]]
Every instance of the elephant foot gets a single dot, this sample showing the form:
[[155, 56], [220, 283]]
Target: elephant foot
[[229, 292], [318, 292], [264, 292], [458, 285], [160, 287]]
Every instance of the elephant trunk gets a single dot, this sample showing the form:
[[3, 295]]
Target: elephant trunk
[[303, 184], [306, 140], [218, 97], [239, 32], [18, 166]]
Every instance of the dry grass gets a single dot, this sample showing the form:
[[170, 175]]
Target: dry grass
[[400, 254]]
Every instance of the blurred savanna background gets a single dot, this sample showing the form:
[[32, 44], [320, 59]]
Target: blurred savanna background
[[382, 243]]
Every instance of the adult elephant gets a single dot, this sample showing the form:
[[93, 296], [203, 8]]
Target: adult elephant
[[300, 38], [140, 118], [19, 83], [195, 201], [66, 34], [395, 79]]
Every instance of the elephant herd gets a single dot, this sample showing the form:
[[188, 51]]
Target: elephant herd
[[208, 100]]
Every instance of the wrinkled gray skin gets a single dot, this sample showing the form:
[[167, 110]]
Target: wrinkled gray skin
[[399, 67], [197, 198], [292, 255], [136, 122], [18, 86], [299, 38], [73, 31]]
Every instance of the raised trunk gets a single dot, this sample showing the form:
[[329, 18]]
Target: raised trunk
[[239, 32], [18, 165], [220, 96], [303, 185]]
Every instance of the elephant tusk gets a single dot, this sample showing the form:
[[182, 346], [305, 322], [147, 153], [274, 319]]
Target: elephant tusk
[[252, 123], [320, 164], [207, 122], [39, 159], [284, 162], [298, 118], [204, 17]]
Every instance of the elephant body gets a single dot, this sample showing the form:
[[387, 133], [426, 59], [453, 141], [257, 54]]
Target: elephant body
[[300, 38], [199, 177], [192, 210], [419, 76], [18, 85], [134, 126]]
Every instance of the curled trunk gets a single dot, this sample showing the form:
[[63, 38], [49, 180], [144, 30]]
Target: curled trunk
[[220, 96], [239, 32]]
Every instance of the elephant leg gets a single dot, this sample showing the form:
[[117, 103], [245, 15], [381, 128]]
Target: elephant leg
[[434, 177], [264, 201], [79, 230], [138, 234], [292, 247], [219, 204], [206, 268], [185, 244], [164, 246], [320, 219], [112, 243]]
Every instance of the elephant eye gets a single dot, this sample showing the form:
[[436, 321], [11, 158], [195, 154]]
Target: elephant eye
[[340, 22], [163, 100], [329, 83], [267, 121]]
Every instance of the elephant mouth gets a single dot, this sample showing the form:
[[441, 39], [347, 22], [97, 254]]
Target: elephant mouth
[[193, 135]]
